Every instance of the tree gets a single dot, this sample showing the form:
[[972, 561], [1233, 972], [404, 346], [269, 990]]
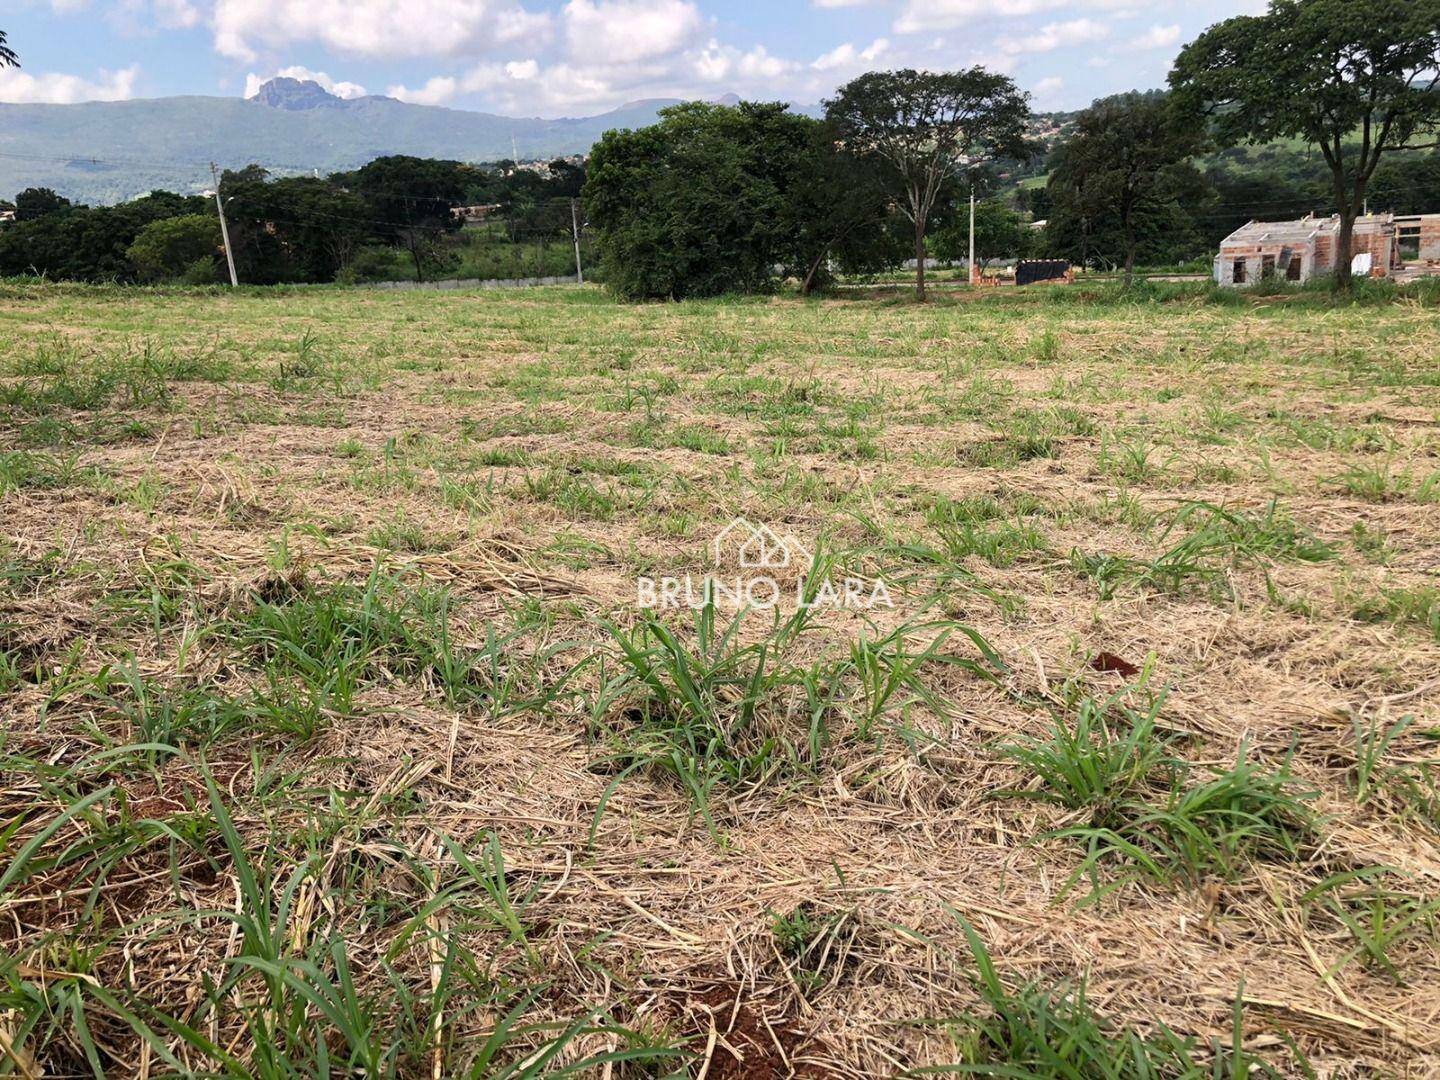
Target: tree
[[700, 203], [1127, 158], [7, 54], [1357, 78], [920, 129], [37, 202], [296, 229], [999, 234], [410, 200], [1409, 185], [836, 216], [81, 243], [177, 247]]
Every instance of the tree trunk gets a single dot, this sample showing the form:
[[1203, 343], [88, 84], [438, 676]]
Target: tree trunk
[[1344, 243], [814, 269], [1350, 202], [1129, 260], [920, 260]]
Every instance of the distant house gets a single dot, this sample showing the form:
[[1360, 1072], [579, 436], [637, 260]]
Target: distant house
[[1384, 245], [474, 215], [6, 217]]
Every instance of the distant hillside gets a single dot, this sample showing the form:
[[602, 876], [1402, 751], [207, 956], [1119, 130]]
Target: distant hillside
[[106, 152]]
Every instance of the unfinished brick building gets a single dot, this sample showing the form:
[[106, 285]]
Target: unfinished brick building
[[1397, 247]]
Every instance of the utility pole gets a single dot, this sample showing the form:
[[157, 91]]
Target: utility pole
[[224, 228], [974, 280], [575, 232]]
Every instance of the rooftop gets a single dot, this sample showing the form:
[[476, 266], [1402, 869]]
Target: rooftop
[[1258, 232]]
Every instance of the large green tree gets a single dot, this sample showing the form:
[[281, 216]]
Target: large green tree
[[35, 203], [1128, 160], [299, 228], [921, 129], [410, 200], [712, 199], [836, 219], [1360, 79]]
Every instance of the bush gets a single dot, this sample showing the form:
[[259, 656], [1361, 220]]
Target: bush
[[179, 248], [714, 200]]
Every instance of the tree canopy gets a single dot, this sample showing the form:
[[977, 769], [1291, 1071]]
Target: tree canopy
[[1356, 78], [1127, 165], [7, 54], [81, 243], [184, 247], [921, 128], [714, 198]]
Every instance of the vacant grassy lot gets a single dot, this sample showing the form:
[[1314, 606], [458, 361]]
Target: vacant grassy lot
[[335, 743]]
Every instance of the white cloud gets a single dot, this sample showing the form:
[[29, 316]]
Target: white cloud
[[436, 91], [1157, 37], [379, 28], [340, 89], [22, 87], [839, 3], [919, 16], [1055, 36], [1047, 88], [755, 70], [487, 77], [713, 63], [759, 64], [624, 31], [846, 57]]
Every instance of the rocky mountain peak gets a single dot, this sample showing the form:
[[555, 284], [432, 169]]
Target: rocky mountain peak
[[295, 95]]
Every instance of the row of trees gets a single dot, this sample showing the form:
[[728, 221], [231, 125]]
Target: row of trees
[[291, 229], [711, 200], [715, 199]]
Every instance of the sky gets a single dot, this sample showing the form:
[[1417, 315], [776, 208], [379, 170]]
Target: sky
[[580, 57]]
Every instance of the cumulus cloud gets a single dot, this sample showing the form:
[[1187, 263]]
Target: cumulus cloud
[[1157, 37], [1047, 88], [436, 91], [846, 57], [56, 88], [625, 31], [340, 89], [1055, 36], [756, 67], [377, 28]]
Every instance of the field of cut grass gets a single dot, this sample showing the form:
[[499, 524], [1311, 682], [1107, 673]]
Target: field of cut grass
[[334, 740]]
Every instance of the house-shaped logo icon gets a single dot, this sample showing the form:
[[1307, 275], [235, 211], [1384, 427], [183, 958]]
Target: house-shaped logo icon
[[759, 547]]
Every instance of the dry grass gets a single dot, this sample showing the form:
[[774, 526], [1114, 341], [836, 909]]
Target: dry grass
[[321, 751]]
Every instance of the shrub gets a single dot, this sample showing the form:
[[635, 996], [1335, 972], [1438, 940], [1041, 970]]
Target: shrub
[[182, 247]]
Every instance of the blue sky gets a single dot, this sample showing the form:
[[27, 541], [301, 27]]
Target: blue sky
[[575, 57]]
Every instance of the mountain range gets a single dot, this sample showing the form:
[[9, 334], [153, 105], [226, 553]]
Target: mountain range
[[108, 151]]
